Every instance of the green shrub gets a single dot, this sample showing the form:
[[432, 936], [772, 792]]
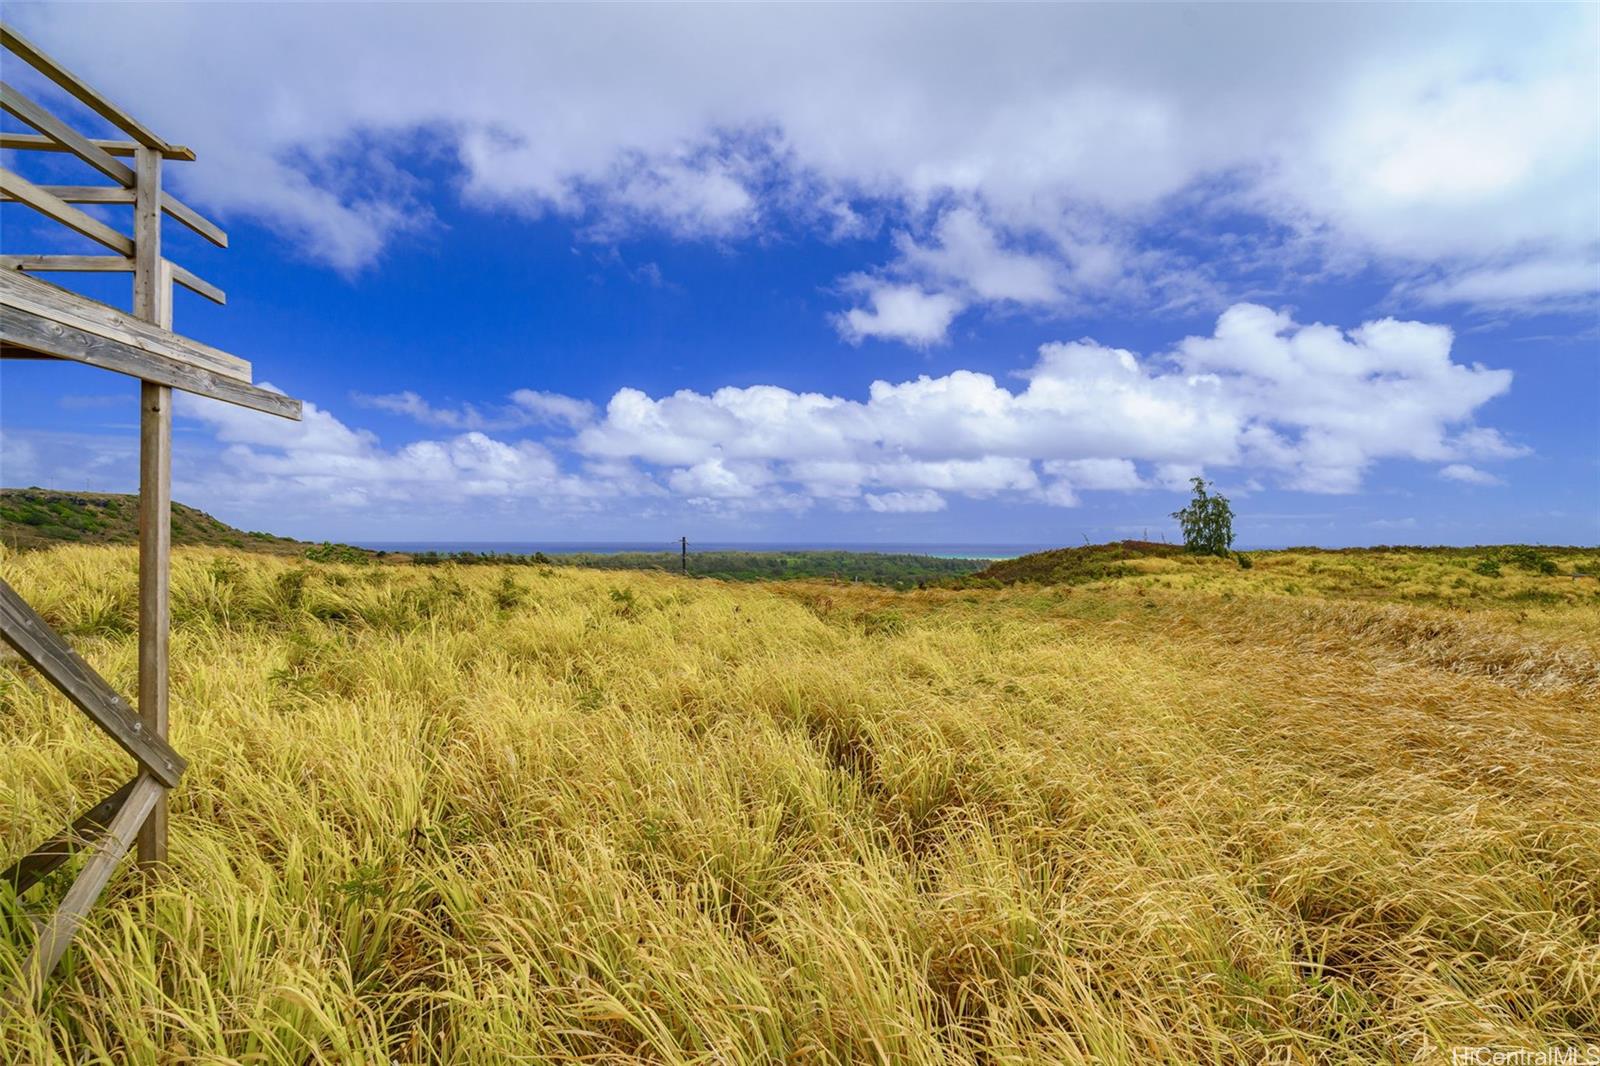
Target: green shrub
[[508, 593], [1529, 559], [336, 553], [289, 589], [225, 571], [884, 623], [1487, 567], [627, 607]]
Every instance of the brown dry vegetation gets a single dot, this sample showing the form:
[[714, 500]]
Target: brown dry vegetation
[[1188, 814]]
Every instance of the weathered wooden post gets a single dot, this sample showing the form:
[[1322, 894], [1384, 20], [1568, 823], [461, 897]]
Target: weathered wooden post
[[152, 301]]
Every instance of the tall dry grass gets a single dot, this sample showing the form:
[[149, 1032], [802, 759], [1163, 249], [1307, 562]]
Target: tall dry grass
[[483, 815]]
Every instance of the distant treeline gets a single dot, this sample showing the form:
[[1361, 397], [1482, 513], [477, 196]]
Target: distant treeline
[[899, 570]]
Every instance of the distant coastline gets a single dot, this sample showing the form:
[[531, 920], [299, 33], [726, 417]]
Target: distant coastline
[[936, 550]]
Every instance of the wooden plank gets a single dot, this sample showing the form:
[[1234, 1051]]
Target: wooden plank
[[27, 633], [19, 104], [197, 285], [193, 219], [115, 264], [34, 142], [31, 332], [79, 312], [31, 54], [45, 859], [152, 302], [147, 237], [84, 194], [103, 858], [25, 191], [155, 580], [68, 264], [108, 194], [164, 292]]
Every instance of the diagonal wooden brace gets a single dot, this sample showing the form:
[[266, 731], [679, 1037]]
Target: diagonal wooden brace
[[104, 854], [64, 668], [43, 860]]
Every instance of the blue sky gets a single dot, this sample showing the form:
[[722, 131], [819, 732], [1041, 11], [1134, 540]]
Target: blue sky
[[893, 274]]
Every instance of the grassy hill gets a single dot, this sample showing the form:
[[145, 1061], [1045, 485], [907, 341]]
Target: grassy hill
[[1498, 577], [39, 518], [1095, 562], [1187, 813], [1073, 566]]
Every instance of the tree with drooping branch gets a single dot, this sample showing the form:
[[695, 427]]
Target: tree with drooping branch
[[1207, 522]]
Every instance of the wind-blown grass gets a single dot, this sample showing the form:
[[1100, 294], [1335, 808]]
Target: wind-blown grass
[[510, 815]]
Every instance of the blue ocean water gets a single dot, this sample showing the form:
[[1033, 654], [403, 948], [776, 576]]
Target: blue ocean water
[[942, 551]]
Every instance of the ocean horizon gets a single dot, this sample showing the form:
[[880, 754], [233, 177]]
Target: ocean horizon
[[950, 550]]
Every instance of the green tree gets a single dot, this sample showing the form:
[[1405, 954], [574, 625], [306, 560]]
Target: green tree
[[1207, 522]]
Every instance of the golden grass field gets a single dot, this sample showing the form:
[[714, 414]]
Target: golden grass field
[[1330, 809]]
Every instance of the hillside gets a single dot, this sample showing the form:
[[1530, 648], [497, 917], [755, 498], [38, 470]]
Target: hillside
[[1507, 577], [34, 518], [495, 813], [1072, 566]]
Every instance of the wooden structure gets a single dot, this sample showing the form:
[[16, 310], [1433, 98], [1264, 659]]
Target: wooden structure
[[39, 320]]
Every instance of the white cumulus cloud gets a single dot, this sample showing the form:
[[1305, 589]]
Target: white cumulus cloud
[[319, 460], [920, 502], [1470, 475], [1262, 398], [1311, 406], [898, 312], [1030, 156]]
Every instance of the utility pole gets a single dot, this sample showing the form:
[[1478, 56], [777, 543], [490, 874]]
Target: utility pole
[[684, 542]]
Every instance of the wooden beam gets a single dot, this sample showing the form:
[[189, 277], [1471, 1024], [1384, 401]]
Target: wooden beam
[[103, 857], [108, 264], [21, 189], [193, 219], [20, 105], [23, 332], [155, 579], [108, 194], [155, 584], [68, 264], [45, 859], [31, 54], [33, 142], [45, 651], [27, 335], [84, 194], [147, 240], [152, 302], [68, 308], [197, 285]]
